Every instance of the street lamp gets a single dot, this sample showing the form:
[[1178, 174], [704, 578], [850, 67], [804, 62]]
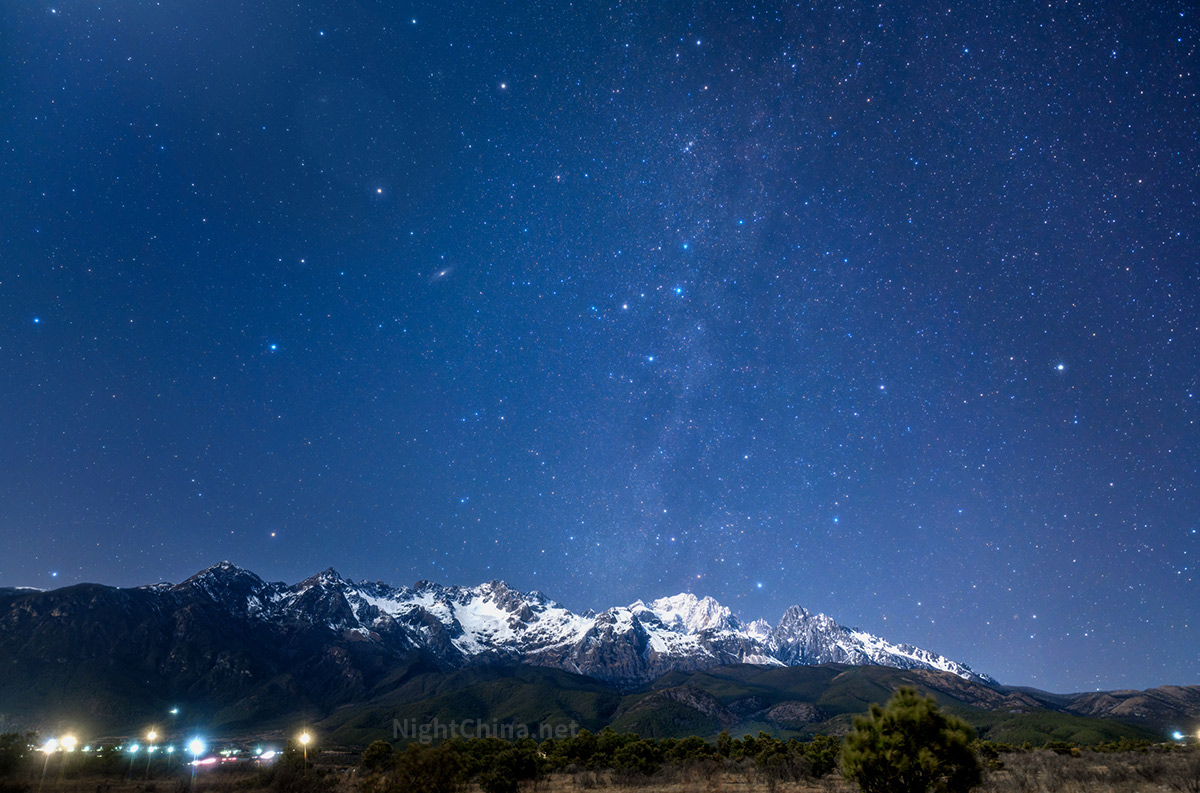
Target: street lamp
[[49, 748], [305, 738], [150, 738], [196, 747]]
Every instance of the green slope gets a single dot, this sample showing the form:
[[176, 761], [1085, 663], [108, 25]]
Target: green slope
[[702, 703]]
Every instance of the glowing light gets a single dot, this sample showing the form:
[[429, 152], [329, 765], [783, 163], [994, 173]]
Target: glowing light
[[1177, 735], [150, 736], [133, 749], [51, 746], [305, 738], [196, 746], [68, 742]]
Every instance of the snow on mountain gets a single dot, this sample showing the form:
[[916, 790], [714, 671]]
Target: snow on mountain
[[492, 622], [686, 613]]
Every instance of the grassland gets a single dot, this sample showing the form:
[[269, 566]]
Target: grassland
[[1039, 771]]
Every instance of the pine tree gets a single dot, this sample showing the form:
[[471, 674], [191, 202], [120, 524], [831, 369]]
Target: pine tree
[[910, 746]]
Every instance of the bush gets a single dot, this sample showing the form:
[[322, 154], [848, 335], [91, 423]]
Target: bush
[[290, 773], [824, 754], [637, 757], [426, 769], [14, 751], [910, 746], [377, 757]]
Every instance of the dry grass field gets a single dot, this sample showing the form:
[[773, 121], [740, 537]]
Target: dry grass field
[[1033, 772]]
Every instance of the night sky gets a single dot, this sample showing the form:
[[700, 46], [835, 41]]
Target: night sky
[[890, 311]]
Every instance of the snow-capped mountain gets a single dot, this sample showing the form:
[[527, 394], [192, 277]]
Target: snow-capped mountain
[[488, 623]]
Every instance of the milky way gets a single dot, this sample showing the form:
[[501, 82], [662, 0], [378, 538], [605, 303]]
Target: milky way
[[890, 311]]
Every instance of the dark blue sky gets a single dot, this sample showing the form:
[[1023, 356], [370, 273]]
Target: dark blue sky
[[889, 311]]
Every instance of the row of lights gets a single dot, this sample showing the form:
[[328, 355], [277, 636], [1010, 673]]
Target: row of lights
[[196, 746], [68, 743]]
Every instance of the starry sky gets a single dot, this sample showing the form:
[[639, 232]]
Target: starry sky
[[891, 311]]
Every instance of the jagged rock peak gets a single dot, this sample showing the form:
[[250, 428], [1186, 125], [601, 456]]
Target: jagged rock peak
[[327, 577], [688, 613], [222, 572]]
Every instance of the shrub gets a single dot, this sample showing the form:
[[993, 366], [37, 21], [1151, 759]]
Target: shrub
[[824, 754], [377, 757], [910, 746], [14, 750], [637, 757], [291, 774], [426, 769]]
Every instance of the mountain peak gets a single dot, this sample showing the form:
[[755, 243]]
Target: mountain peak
[[687, 613], [327, 577], [224, 566], [221, 571]]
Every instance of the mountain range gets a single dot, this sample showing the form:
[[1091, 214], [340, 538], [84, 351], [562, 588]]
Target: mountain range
[[239, 652], [492, 623]]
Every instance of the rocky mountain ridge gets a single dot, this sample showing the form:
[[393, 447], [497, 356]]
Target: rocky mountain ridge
[[491, 622], [236, 653]]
